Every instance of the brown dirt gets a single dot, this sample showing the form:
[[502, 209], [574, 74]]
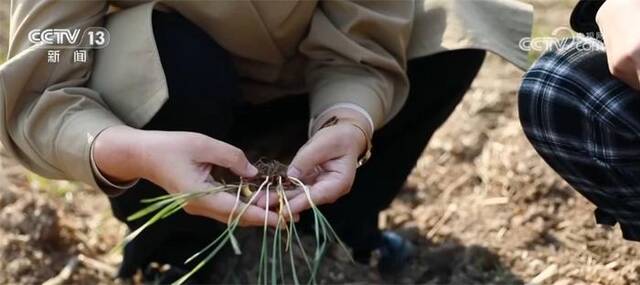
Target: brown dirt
[[480, 205]]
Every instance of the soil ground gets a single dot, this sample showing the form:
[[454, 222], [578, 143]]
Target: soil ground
[[480, 205]]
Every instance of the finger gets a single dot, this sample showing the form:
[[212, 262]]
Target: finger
[[255, 216], [221, 205], [330, 185], [274, 199], [323, 192], [310, 156], [293, 194], [228, 156]]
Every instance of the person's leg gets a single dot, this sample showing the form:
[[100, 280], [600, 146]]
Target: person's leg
[[438, 83], [203, 92], [586, 125]]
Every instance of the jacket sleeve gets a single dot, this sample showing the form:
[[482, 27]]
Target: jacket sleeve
[[48, 117], [357, 51]]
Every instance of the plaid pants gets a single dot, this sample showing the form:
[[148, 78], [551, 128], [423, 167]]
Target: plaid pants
[[586, 126]]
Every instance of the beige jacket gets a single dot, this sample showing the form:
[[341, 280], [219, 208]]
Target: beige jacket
[[340, 51]]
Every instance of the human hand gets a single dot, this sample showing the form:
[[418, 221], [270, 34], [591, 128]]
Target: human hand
[[328, 161], [179, 162], [618, 21]]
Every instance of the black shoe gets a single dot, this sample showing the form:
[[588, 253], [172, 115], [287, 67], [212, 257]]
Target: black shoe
[[391, 255], [394, 252]]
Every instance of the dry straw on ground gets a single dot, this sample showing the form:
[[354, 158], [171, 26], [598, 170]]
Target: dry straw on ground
[[480, 205]]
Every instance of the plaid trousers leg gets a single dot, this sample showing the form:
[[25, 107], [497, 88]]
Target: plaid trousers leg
[[586, 126]]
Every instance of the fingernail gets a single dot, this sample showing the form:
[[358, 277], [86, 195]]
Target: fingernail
[[293, 172], [251, 170]]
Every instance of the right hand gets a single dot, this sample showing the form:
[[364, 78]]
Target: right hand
[[618, 21], [178, 162]]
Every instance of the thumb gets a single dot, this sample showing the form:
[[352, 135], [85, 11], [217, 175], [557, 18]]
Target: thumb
[[228, 156], [309, 157]]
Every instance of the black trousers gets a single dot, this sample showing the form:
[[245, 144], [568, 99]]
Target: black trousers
[[205, 98]]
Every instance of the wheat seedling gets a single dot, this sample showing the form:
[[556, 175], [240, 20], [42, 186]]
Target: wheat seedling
[[285, 237]]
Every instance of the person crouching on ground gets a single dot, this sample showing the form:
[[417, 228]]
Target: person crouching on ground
[[579, 106], [181, 85]]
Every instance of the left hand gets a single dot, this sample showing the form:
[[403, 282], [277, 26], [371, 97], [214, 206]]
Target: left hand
[[327, 162]]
